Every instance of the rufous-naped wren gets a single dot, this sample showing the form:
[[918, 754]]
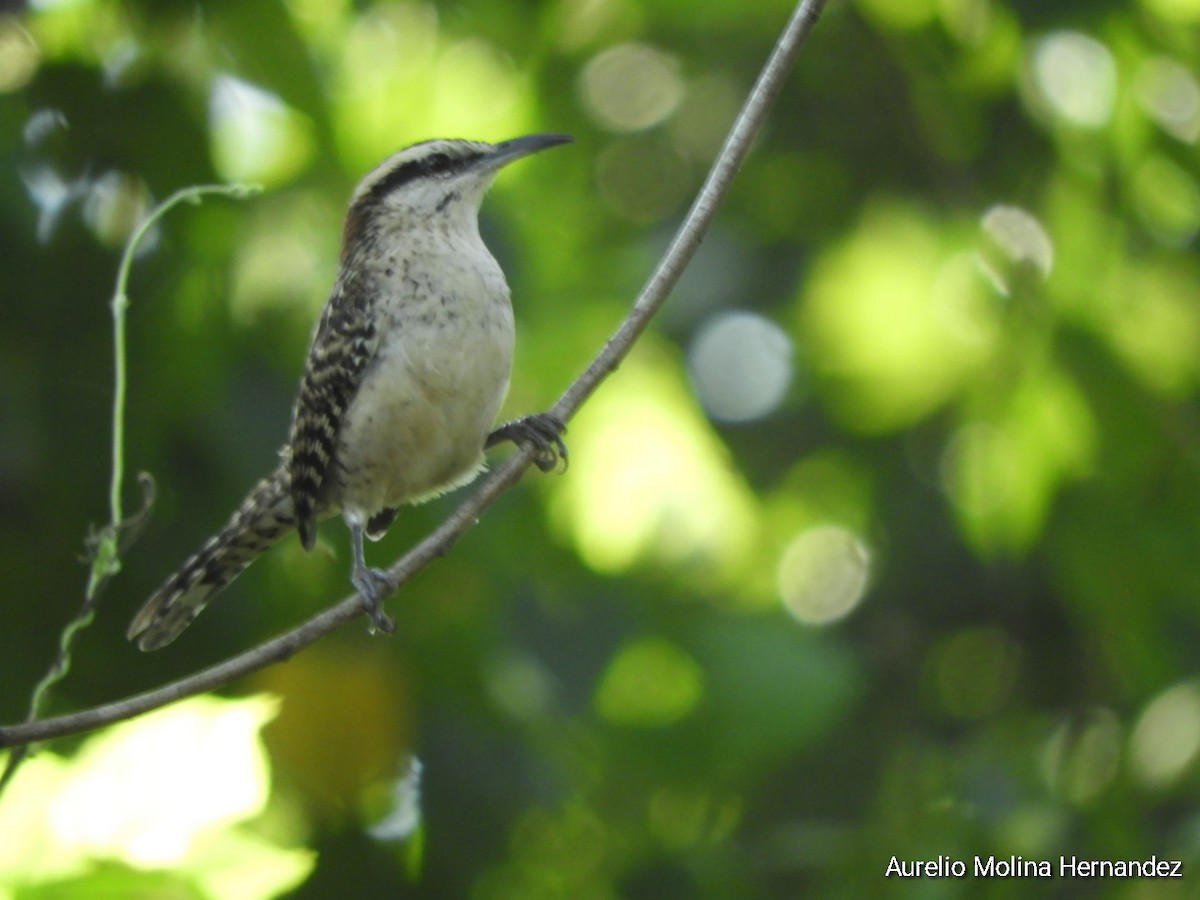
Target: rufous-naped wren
[[407, 368]]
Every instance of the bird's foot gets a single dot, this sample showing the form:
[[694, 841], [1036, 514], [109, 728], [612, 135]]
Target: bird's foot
[[542, 432], [372, 586]]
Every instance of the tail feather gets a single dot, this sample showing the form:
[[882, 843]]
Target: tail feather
[[264, 517]]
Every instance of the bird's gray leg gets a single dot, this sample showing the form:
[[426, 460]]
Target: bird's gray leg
[[372, 584]]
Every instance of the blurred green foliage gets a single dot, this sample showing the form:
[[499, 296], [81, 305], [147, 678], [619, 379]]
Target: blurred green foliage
[[883, 542]]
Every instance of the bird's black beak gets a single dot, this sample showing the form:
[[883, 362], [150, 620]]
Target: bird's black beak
[[504, 153]]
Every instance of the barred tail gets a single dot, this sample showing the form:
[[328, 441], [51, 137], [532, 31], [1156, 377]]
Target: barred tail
[[263, 518]]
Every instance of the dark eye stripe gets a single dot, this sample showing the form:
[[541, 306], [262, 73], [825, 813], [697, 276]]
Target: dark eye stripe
[[434, 164]]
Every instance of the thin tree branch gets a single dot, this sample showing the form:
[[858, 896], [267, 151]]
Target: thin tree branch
[[687, 239], [439, 542]]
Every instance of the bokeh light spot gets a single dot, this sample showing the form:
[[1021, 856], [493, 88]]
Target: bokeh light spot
[[1003, 471], [823, 574], [256, 137], [1166, 738], [474, 88], [401, 78], [650, 481], [52, 195], [404, 812], [382, 89], [1167, 90], [980, 469], [741, 366], [1155, 329], [1074, 77], [680, 819], [114, 205], [284, 255], [19, 55], [649, 683], [885, 337], [1015, 244], [520, 686], [1167, 200], [42, 124], [631, 87], [1080, 758]]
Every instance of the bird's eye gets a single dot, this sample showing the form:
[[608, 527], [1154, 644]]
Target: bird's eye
[[438, 162]]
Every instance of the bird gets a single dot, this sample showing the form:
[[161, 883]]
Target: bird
[[406, 370]]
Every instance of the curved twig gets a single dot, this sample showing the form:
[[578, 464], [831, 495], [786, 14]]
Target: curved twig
[[439, 542]]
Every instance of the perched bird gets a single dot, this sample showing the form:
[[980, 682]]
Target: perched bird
[[406, 371]]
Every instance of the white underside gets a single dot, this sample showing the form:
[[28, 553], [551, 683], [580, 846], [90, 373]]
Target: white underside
[[418, 423]]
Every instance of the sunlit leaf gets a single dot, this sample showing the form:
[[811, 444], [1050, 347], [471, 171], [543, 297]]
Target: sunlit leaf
[[170, 790], [650, 480], [892, 326]]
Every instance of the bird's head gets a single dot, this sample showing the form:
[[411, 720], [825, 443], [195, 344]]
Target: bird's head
[[436, 181]]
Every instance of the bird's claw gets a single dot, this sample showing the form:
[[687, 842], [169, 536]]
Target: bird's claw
[[372, 586], [542, 432]]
